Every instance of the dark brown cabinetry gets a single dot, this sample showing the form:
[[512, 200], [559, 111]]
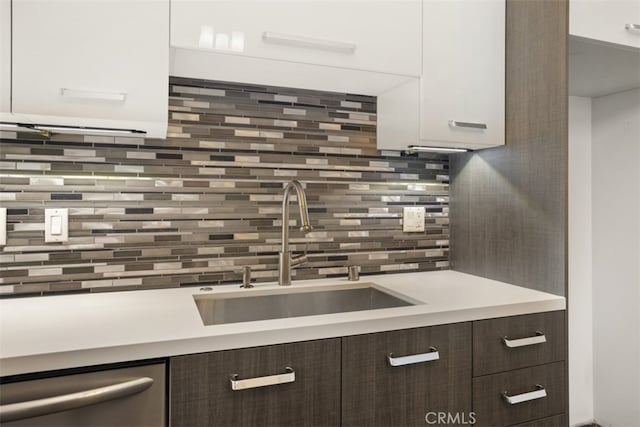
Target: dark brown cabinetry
[[490, 392], [519, 370], [491, 354], [201, 393], [555, 421], [432, 373], [498, 372]]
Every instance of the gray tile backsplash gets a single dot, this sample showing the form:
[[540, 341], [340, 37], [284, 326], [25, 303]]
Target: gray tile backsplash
[[191, 210]]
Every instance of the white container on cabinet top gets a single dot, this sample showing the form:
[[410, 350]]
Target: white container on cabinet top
[[610, 21], [345, 46], [91, 63], [460, 97]]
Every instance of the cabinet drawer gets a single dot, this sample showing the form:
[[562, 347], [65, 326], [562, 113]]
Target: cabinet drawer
[[202, 395], [536, 393], [555, 421], [375, 393], [493, 353]]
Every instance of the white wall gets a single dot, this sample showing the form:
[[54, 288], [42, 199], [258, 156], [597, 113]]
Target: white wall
[[616, 258], [580, 291]]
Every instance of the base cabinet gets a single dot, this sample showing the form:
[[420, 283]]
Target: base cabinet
[[308, 393], [432, 375], [534, 393], [519, 370], [497, 372]]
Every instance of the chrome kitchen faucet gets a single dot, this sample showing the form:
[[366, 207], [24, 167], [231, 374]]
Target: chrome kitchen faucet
[[286, 261]]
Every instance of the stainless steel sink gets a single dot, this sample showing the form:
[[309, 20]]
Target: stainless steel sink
[[246, 306]]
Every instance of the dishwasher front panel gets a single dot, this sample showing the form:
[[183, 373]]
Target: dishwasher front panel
[[123, 397]]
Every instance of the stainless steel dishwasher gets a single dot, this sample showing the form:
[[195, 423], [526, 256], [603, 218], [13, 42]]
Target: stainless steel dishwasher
[[122, 397]]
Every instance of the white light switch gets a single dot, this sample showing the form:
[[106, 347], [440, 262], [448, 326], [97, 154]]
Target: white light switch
[[3, 226], [56, 225], [413, 219]]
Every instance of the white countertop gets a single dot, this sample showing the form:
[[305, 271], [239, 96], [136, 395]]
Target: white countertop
[[56, 332]]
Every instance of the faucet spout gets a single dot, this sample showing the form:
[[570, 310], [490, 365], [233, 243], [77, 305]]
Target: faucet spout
[[284, 265]]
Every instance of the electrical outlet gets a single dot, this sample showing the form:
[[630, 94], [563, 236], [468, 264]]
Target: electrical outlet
[[413, 219]]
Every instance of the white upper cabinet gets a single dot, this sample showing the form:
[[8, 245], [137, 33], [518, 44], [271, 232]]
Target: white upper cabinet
[[461, 95], [364, 35], [611, 21], [353, 46], [5, 56], [98, 63], [463, 73]]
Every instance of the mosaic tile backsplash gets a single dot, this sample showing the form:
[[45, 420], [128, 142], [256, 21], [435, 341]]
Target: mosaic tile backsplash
[[196, 207]]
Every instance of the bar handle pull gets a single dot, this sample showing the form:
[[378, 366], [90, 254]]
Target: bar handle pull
[[414, 358], [308, 42], [539, 338], [237, 384], [66, 402], [538, 393], [632, 27], [93, 94], [468, 125]]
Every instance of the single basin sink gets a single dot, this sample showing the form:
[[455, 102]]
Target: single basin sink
[[293, 302]]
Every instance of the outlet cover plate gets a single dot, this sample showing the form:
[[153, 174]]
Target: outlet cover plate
[[56, 225], [413, 219]]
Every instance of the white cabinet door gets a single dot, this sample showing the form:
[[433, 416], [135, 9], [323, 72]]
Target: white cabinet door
[[80, 62], [463, 73], [5, 56], [611, 21], [381, 35]]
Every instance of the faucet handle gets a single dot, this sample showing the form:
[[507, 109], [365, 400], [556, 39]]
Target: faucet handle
[[298, 259]]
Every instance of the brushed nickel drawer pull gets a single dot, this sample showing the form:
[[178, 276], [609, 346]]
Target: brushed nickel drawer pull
[[631, 27], [538, 393], [66, 402], [539, 338], [288, 377], [470, 125], [414, 358]]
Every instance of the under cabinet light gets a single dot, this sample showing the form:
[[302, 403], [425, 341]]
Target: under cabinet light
[[417, 148], [45, 129], [18, 127], [9, 126], [81, 129]]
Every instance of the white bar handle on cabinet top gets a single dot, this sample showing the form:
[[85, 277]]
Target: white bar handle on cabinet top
[[539, 338], [288, 377], [538, 393], [414, 358], [65, 402], [632, 27], [310, 42], [92, 94], [469, 125]]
